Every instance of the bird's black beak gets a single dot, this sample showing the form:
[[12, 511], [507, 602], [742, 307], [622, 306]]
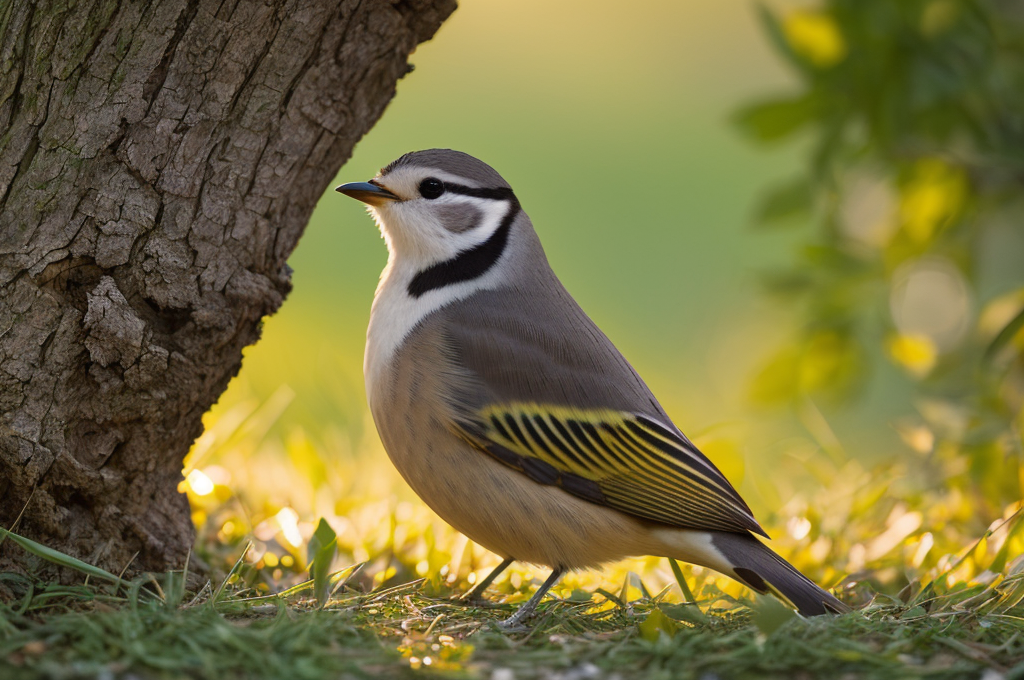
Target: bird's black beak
[[367, 192]]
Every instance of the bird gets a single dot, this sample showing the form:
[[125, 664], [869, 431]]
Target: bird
[[514, 417]]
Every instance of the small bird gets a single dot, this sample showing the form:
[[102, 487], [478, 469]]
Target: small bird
[[509, 412]]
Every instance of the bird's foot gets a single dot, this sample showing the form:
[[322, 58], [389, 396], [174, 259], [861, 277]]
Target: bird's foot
[[475, 595], [509, 626], [514, 623], [517, 622]]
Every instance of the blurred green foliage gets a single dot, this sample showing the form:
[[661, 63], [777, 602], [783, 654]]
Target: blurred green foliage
[[912, 210]]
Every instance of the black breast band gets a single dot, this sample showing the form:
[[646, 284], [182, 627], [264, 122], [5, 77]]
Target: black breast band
[[473, 262]]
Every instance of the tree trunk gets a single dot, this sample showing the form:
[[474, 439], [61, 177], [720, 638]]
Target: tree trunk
[[158, 163]]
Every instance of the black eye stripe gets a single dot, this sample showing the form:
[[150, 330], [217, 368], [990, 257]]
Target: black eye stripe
[[497, 194]]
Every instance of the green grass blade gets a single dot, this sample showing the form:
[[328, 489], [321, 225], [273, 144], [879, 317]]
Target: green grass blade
[[60, 559], [687, 593], [323, 546], [681, 580], [223, 583]]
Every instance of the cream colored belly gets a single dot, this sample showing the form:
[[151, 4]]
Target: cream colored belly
[[509, 514]]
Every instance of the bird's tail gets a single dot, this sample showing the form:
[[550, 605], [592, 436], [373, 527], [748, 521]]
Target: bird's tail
[[756, 566]]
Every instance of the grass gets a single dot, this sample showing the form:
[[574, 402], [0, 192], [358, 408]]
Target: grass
[[70, 633], [934, 600], [152, 628]]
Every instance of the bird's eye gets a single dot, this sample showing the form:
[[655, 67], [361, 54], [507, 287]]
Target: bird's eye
[[431, 188]]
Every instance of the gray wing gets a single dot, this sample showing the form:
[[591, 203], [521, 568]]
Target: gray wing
[[539, 346], [547, 393]]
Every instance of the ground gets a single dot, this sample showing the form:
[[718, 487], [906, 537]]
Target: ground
[[154, 628]]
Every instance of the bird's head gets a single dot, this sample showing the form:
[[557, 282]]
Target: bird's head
[[432, 206]]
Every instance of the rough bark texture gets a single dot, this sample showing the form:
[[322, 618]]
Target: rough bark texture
[[158, 163]]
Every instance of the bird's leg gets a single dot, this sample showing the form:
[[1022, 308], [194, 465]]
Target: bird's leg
[[477, 591], [514, 622]]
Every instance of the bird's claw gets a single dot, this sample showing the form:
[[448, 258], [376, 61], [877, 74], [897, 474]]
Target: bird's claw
[[512, 626]]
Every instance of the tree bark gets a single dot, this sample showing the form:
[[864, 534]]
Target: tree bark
[[158, 163]]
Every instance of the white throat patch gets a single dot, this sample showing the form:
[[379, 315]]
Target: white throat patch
[[395, 313]]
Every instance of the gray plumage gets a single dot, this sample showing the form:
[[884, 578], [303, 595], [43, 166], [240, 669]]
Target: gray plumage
[[761, 569], [512, 415], [456, 163]]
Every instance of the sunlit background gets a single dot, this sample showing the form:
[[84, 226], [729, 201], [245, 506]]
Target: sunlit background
[[620, 126]]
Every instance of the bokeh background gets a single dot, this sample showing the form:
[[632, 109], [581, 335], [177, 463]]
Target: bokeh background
[[808, 286]]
